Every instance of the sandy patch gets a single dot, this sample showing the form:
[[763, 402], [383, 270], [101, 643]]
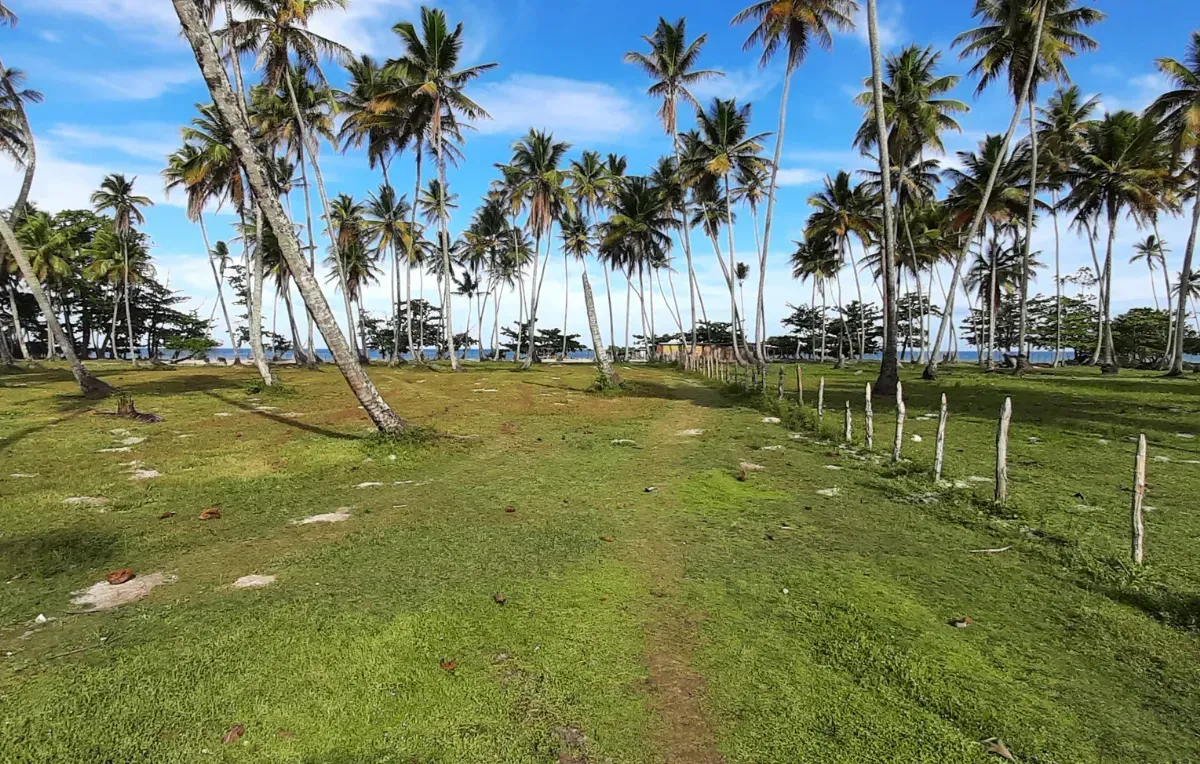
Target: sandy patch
[[140, 474], [771, 448], [86, 501], [121, 450], [341, 515], [750, 466], [266, 408], [830, 492], [689, 433], [833, 467], [222, 413], [486, 390], [105, 596], [132, 441], [253, 582], [185, 435]]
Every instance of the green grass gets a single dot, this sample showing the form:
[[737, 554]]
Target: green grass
[[654, 624]]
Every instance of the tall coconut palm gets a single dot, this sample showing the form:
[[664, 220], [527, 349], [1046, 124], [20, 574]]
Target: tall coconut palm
[[751, 190], [817, 259], [1059, 132], [1005, 44], [116, 195], [430, 63], [671, 63], [1179, 114], [578, 243], [387, 228], [1152, 252], [842, 210], [49, 253], [536, 161], [227, 104], [726, 148], [590, 185], [1120, 169], [16, 136], [794, 25], [991, 63]]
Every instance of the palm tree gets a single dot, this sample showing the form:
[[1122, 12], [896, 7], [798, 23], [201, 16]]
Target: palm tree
[[817, 259], [992, 61], [794, 24], [725, 147], [542, 184], [1179, 113], [7, 17], [578, 243], [49, 254], [671, 64], [843, 210], [1059, 133], [1120, 168], [751, 190], [1004, 44], [590, 184], [1153, 252], [228, 106], [116, 194], [16, 136], [386, 227], [430, 63]]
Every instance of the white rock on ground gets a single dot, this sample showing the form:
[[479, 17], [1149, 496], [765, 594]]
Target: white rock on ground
[[342, 514], [86, 501], [140, 474], [104, 596], [916, 438], [253, 582], [19, 475], [689, 433], [750, 466], [368, 485], [119, 432], [624, 442], [132, 441], [771, 448], [222, 413], [770, 420], [121, 450], [829, 492]]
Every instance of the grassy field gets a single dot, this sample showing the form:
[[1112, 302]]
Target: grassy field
[[710, 619]]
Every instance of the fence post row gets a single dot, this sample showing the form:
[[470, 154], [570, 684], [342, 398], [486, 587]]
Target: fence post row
[[940, 452], [1002, 452], [870, 415], [821, 402], [901, 413], [849, 434], [1139, 495]]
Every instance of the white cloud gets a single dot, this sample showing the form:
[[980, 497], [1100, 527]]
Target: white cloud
[[49, 36], [891, 29], [572, 109], [61, 183], [746, 84], [152, 21], [130, 84], [152, 141], [798, 176], [366, 25]]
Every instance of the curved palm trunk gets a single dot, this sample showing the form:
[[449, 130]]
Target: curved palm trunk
[[1185, 276], [931, 367], [298, 353], [210, 65], [889, 368], [1108, 357], [533, 300], [125, 292], [1095, 359], [313, 360], [255, 307], [89, 384], [603, 362], [16, 322], [766, 241], [1022, 334], [993, 289]]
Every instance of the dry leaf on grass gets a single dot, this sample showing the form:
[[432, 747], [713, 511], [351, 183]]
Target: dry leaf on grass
[[510, 508], [996, 746], [449, 664], [234, 734], [120, 576], [211, 514], [166, 514], [500, 599]]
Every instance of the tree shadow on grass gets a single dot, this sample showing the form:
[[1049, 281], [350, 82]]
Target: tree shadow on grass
[[284, 420], [16, 437], [49, 553]]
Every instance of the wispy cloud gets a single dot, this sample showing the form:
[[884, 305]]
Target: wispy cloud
[[573, 109], [891, 27], [128, 84], [746, 84], [62, 183], [144, 140], [49, 36], [153, 21], [798, 176]]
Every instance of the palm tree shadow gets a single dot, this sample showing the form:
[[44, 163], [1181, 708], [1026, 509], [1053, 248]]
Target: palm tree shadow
[[19, 435], [289, 421]]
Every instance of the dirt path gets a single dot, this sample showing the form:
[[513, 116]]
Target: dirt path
[[684, 732]]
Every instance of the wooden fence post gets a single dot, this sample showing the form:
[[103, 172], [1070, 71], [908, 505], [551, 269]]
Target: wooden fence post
[[940, 453], [821, 402], [800, 384], [901, 412], [1002, 452], [870, 413], [849, 433], [1139, 495], [780, 383]]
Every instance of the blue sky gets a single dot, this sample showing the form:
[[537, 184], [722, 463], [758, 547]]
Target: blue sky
[[119, 81]]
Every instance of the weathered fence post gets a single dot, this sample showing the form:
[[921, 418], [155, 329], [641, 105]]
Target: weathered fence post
[[762, 380], [849, 433], [821, 402], [901, 412], [1139, 495], [799, 384], [870, 413], [780, 383], [940, 452], [1002, 452]]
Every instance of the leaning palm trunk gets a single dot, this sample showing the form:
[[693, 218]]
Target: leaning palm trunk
[[312, 253], [1185, 277], [612, 327], [128, 313], [308, 145], [1022, 334], [566, 301], [931, 368], [766, 240], [210, 65], [533, 290], [603, 362], [87, 383], [298, 353], [16, 322]]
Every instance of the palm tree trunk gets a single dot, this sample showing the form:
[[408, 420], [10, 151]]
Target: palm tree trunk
[[612, 330], [1057, 285], [447, 280], [766, 240], [676, 314], [566, 301], [128, 314], [1162, 261], [1095, 359], [824, 326], [628, 294], [812, 321], [889, 369], [308, 145], [1022, 335], [16, 322], [233, 341], [603, 362], [520, 316], [931, 367], [210, 65], [313, 360], [862, 324], [87, 383], [116, 296], [841, 357], [533, 299], [1108, 357], [993, 307], [733, 312], [297, 353], [256, 304], [1185, 277], [686, 237]]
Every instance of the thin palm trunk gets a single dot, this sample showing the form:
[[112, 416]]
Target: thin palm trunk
[[210, 65], [824, 326], [628, 294], [566, 300], [931, 368], [603, 362], [256, 301], [312, 253], [1185, 277], [1057, 284], [889, 369], [128, 312], [1108, 360], [993, 289], [520, 316], [412, 250], [737, 354], [612, 330], [533, 299], [233, 341], [1022, 333], [16, 322], [116, 296], [443, 223], [766, 240], [862, 324], [1095, 359], [686, 237]]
